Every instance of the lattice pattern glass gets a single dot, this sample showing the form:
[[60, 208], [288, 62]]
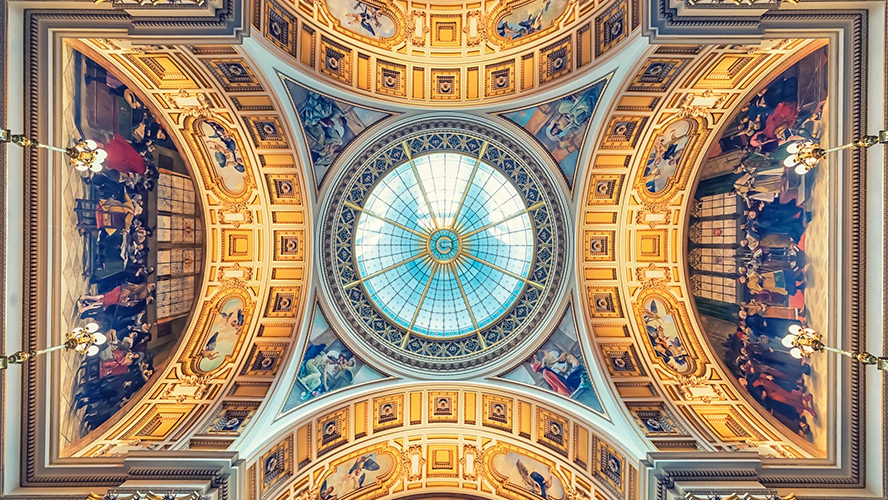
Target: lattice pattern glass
[[444, 245]]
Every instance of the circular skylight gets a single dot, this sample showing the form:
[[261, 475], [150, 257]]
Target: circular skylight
[[443, 245]]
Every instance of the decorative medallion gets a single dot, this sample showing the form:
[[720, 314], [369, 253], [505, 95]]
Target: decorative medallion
[[444, 245]]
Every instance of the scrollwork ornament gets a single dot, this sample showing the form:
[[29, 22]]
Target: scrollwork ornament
[[477, 463], [407, 461], [233, 283], [480, 27], [229, 279], [200, 110], [116, 494], [687, 383], [573, 494], [655, 282], [654, 209], [688, 109], [240, 209], [200, 383]]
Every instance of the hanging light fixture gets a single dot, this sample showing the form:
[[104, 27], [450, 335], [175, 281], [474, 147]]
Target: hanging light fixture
[[804, 155], [803, 342], [84, 155], [84, 340]]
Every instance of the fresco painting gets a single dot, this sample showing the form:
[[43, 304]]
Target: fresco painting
[[327, 365], [559, 366], [759, 235], [329, 124], [533, 17], [669, 145], [561, 125], [355, 474], [227, 326], [115, 250], [663, 335], [529, 474], [224, 155], [362, 18]]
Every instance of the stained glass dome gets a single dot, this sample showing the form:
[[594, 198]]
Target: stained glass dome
[[443, 245]]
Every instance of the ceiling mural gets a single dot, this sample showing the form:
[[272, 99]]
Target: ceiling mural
[[561, 125], [327, 365], [370, 470], [329, 125], [133, 243], [444, 241], [692, 346], [228, 164], [560, 366], [143, 232], [366, 19], [526, 18], [449, 53], [368, 447], [471, 329], [758, 235]]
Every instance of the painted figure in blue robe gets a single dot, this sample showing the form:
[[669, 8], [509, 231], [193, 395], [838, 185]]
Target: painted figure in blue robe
[[534, 480], [528, 26], [225, 155], [325, 126], [367, 16], [573, 113], [357, 475]]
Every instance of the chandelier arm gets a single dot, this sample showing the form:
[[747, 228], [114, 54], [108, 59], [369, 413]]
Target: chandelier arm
[[864, 142], [25, 141], [839, 148], [864, 357]]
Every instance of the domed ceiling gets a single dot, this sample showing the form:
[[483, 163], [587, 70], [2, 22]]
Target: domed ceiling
[[555, 245], [132, 246], [444, 245]]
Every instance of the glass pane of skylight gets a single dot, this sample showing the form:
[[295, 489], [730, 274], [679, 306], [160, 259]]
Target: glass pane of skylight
[[444, 245]]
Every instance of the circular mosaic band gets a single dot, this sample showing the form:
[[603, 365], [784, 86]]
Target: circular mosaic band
[[398, 339]]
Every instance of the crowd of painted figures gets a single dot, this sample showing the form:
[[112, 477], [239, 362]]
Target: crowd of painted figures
[[771, 256], [115, 223]]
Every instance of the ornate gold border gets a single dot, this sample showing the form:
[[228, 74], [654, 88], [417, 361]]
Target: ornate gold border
[[679, 178], [682, 324], [212, 180], [190, 358]]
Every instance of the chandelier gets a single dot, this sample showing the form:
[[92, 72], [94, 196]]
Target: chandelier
[[83, 155], [84, 340], [805, 341], [804, 155]]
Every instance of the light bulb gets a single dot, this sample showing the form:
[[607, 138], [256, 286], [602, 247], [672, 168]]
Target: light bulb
[[81, 167], [801, 169], [101, 154], [99, 338], [787, 340], [91, 144], [790, 161], [793, 148], [92, 327], [96, 167], [796, 353], [92, 351], [795, 329]]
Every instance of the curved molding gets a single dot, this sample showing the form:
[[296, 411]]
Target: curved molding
[[469, 431], [530, 313]]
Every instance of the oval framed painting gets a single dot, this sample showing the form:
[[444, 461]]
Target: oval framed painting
[[521, 21], [668, 158], [222, 326], [225, 167]]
